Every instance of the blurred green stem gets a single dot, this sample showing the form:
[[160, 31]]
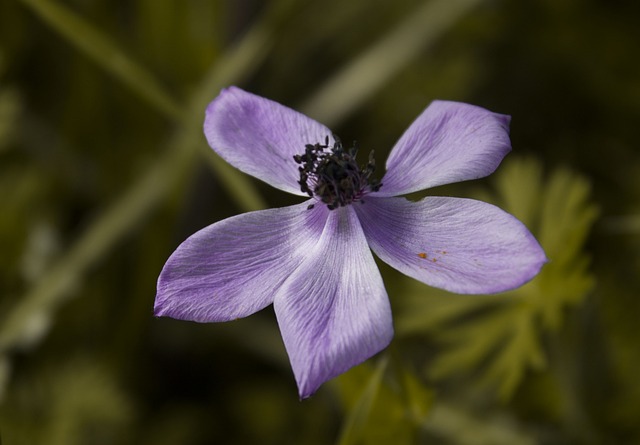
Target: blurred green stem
[[357, 419], [145, 194], [245, 57], [458, 426], [108, 55], [363, 77]]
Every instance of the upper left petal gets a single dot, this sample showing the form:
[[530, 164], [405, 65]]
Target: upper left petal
[[234, 267], [260, 136], [333, 312]]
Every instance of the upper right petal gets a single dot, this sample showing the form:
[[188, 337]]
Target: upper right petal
[[234, 267], [260, 136], [449, 142]]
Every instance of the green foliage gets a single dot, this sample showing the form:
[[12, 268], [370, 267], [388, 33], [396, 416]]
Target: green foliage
[[382, 407], [502, 335]]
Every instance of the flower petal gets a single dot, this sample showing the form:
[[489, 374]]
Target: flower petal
[[334, 312], [234, 267], [460, 245], [260, 137], [448, 142]]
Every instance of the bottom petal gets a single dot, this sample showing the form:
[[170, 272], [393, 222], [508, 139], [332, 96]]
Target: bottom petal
[[460, 245], [333, 311]]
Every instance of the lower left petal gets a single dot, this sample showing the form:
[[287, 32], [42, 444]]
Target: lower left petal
[[334, 312], [234, 267]]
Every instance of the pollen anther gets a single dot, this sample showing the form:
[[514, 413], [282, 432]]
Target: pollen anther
[[333, 176]]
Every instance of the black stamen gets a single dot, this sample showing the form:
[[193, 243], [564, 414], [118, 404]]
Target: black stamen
[[333, 175]]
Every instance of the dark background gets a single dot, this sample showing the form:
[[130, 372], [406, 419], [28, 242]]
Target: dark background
[[104, 171]]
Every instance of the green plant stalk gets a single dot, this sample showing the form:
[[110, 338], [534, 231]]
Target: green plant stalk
[[362, 78], [458, 426], [126, 213], [356, 420], [100, 48], [97, 46]]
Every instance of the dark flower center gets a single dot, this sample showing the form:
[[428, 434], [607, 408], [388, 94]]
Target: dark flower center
[[333, 176]]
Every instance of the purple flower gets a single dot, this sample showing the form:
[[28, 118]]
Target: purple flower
[[313, 260]]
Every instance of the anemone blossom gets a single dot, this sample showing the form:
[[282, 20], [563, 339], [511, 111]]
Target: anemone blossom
[[313, 260]]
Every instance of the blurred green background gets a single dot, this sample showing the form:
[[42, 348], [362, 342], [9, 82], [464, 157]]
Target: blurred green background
[[104, 171]]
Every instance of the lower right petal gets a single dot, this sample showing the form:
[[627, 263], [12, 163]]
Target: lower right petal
[[460, 245]]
